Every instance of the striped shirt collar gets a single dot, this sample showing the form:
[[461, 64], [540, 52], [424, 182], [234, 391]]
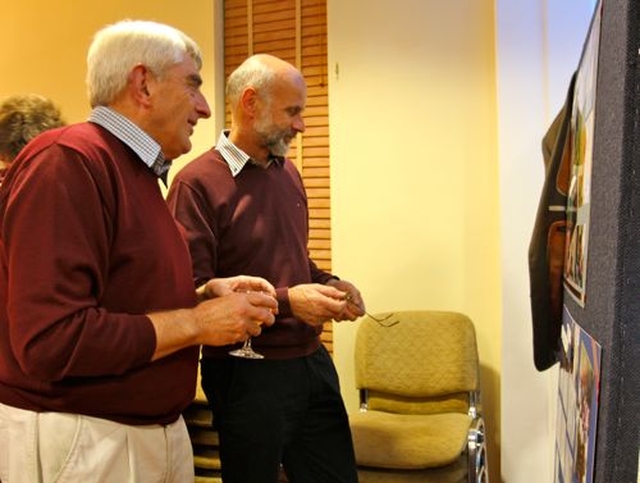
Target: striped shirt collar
[[129, 133], [235, 157]]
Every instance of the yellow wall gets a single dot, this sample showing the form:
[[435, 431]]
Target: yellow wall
[[414, 170], [44, 46]]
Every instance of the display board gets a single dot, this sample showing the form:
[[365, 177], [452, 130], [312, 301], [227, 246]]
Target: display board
[[602, 290]]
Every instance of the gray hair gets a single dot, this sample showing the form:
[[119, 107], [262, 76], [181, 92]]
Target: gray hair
[[253, 72], [118, 48]]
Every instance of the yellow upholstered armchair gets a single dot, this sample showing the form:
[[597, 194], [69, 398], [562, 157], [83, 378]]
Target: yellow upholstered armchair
[[419, 418]]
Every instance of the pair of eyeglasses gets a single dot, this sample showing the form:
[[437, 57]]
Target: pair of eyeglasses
[[382, 321]]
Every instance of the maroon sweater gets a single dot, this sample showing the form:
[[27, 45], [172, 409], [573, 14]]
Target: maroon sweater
[[253, 224], [87, 247]]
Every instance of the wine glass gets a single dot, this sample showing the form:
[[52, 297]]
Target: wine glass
[[246, 351]]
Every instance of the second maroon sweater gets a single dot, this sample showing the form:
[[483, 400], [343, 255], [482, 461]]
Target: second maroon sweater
[[253, 224]]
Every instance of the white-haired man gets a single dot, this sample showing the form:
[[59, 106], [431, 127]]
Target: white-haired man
[[100, 324]]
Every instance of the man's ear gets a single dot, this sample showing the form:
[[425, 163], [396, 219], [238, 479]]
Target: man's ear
[[249, 101], [140, 79]]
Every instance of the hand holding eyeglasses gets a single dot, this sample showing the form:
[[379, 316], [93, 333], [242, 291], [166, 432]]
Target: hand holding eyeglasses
[[383, 321]]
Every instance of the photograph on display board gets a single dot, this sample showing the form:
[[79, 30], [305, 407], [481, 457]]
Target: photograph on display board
[[577, 410], [579, 195]]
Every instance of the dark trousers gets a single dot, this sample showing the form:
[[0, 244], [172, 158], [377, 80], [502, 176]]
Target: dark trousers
[[269, 412]]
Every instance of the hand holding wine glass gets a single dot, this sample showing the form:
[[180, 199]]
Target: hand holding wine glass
[[246, 351], [218, 287], [232, 309]]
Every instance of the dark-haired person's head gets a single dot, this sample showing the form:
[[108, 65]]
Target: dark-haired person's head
[[23, 117]]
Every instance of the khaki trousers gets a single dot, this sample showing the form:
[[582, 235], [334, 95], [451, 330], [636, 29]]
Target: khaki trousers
[[72, 448]]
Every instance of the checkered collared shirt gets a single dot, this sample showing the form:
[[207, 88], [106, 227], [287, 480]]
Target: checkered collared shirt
[[129, 133]]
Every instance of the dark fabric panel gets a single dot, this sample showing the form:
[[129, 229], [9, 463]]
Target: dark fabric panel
[[612, 308], [624, 400]]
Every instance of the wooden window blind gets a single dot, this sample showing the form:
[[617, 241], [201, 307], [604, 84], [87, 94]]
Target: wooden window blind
[[296, 31]]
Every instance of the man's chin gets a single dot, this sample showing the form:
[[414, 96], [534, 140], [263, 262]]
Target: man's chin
[[280, 149], [186, 147]]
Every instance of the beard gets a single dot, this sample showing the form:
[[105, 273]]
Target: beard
[[276, 140]]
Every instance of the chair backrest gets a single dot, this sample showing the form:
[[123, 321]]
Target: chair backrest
[[427, 362]]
